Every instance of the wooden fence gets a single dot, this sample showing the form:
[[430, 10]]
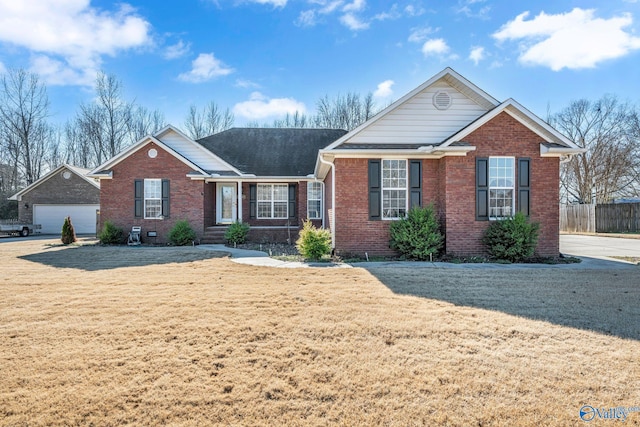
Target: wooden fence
[[578, 218], [618, 218], [608, 218]]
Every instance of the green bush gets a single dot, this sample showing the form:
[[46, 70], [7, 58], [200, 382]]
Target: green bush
[[68, 232], [237, 233], [111, 235], [417, 235], [313, 243], [511, 239], [182, 234]]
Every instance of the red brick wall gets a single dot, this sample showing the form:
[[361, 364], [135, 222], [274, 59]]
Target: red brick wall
[[502, 136], [449, 183], [186, 196]]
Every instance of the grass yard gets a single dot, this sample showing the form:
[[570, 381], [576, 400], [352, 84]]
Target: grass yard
[[180, 336]]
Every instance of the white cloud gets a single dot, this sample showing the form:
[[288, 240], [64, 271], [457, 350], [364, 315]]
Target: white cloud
[[435, 47], [274, 3], [70, 37], [477, 54], [384, 89], [419, 35], [259, 107], [3, 69], [468, 7], [573, 40], [177, 50], [246, 84], [412, 10], [306, 18], [353, 23], [205, 67], [355, 6]]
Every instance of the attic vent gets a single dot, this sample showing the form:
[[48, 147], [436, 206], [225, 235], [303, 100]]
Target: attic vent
[[442, 100], [66, 174]]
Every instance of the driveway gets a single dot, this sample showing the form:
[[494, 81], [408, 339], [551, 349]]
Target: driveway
[[598, 246]]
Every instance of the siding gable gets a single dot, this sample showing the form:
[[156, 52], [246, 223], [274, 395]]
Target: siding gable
[[418, 121], [193, 151]]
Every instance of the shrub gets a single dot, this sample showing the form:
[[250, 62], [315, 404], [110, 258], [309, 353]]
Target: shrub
[[512, 239], [417, 235], [68, 232], [110, 234], [237, 232], [182, 234], [313, 243]]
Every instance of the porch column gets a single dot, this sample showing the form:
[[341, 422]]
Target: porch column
[[239, 201]]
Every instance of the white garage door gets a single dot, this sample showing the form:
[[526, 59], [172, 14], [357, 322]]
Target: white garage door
[[51, 217]]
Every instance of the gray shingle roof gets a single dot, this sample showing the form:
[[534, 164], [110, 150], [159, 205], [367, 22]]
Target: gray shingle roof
[[271, 151]]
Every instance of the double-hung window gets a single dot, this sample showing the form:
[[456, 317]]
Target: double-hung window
[[273, 202], [501, 187], [394, 188], [152, 198], [314, 200]]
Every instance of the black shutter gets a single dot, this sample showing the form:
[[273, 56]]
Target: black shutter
[[138, 193], [252, 200], [375, 190], [482, 189], [292, 201], [524, 185], [165, 198], [415, 183]]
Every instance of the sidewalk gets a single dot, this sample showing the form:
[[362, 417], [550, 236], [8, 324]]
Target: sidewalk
[[261, 259]]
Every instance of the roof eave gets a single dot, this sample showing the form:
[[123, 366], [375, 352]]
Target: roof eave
[[546, 151]]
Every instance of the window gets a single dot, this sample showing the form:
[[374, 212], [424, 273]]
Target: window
[[314, 200], [501, 186], [273, 201], [394, 188], [152, 198]]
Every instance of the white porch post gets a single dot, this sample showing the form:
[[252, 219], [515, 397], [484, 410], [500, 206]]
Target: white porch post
[[239, 201]]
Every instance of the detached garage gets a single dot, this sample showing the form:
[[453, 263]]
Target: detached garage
[[65, 191]]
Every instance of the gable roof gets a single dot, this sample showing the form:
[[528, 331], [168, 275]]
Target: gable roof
[[524, 116], [82, 173], [448, 75], [284, 152], [102, 171]]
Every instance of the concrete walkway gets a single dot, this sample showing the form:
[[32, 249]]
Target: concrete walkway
[[259, 258]]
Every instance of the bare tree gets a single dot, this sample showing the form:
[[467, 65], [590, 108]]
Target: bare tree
[[210, 120], [24, 110], [610, 167], [144, 122], [344, 112], [295, 120]]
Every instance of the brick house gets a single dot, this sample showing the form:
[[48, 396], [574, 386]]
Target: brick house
[[447, 142], [65, 191]]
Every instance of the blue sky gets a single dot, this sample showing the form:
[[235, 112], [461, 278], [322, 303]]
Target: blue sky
[[262, 58]]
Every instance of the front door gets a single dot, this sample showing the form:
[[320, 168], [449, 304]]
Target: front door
[[227, 203]]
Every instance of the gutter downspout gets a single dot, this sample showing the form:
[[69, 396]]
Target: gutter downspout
[[333, 200]]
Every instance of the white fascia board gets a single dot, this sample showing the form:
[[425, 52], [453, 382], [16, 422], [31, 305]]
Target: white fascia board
[[518, 112], [447, 73], [436, 153], [198, 146], [139, 145], [559, 151]]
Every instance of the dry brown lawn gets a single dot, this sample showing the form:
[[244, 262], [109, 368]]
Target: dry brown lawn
[[179, 336]]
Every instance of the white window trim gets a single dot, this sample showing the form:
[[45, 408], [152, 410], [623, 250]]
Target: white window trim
[[383, 188], [512, 188], [272, 201], [144, 198], [309, 184]]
